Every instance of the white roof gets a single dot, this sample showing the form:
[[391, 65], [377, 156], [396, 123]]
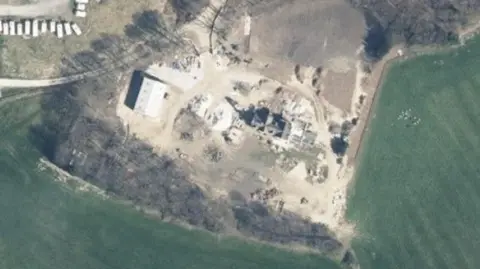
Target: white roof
[[67, 27], [5, 28], [19, 28], [81, 14], [76, 29], [150, 98], [81, 7], [28, 27], [53, 26], [43, 27], [59, 30], [12, 27]]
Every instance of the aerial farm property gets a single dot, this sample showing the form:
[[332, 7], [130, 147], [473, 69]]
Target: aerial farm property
[[242, 127], [272, 129]]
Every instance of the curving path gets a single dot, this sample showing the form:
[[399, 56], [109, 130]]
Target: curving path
[[42, 8]]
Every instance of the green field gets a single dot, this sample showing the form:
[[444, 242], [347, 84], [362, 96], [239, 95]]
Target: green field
[[47, 225], [416, 199]]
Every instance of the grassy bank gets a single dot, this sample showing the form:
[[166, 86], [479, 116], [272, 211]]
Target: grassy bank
[[417, 191], [45, 224]]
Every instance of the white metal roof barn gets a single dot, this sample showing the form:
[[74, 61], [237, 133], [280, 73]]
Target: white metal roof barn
[[150, 98]]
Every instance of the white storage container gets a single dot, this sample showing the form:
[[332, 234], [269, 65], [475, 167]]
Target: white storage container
[[5, 28], [53, 26], [12, 29], [43, 27], [35, 28], [20, 28], [76, 29], [59, 30], [28, 27], [67, 27], [81, 14]]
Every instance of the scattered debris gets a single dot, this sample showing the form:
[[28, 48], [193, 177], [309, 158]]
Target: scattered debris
[[213, 153], [407, 116]]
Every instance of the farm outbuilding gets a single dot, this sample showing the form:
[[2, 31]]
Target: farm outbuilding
[[59, 30], [80, 7], [44, 27], [68, 28], [35, 28], [28, 27], [5, 28], [53, 26], [19, 28], [150, 97], [11, 25], [81, 14], [76, 29]]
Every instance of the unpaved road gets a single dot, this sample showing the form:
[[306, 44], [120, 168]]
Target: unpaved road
[[42, 8], [371, 89], [39, 83]]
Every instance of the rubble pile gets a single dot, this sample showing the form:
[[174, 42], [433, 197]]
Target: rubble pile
[[317, 173], [286, 163]]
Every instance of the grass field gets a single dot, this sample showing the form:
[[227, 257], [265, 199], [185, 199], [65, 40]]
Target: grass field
[[416, 198], [45, 224]]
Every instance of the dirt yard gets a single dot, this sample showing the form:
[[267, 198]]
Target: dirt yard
[[307, 32], [339, 89]]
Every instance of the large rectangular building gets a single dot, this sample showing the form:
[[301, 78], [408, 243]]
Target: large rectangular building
[[150, 97]]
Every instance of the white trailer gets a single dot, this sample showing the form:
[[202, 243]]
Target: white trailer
[[12, 29], [59, 30], [5, 28], [76, 29], [43, 27], [80, 7], [81, 14], [35, 28], [28, 27], [68, 28], [19, 28], [53, 26], [81, 1]]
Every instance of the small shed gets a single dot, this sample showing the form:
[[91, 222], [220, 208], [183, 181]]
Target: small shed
[[59, 30], [5, 28], [68, 28], [80, 7], [19, 28], [35, 28], [11, 25], [76, 29], [81, 14], [28, 27], [53, 26], [43, 27]]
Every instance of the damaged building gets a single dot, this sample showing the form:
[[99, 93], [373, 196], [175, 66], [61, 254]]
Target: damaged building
[[299, 134], [296, 132]]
